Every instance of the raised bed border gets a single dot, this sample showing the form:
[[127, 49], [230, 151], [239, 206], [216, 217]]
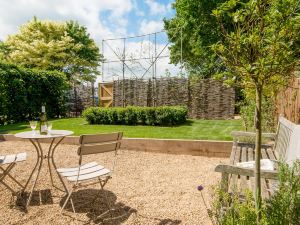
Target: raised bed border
[[171, 146]]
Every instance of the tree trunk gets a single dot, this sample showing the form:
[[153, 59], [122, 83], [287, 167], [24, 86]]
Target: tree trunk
[[76, 101], [258, 119], [93, 93]]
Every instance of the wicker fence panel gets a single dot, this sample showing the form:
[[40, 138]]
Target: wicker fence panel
[[171, 91], [205, 99], [288, 102], [79, 98]]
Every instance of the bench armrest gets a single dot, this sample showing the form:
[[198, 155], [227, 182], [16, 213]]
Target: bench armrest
[[252, 134], [230, 169]]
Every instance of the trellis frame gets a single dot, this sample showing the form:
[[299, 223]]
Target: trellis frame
[[121, 58]]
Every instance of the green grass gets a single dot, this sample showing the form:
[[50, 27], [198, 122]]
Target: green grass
[[193, 129]]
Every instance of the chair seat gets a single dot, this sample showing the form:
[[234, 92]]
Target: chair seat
[[87, 171], [70, 169], [7, 159]]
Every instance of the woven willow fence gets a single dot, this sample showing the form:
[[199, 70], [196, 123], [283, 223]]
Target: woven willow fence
[[79, 98], [288, 102], [205, 99]]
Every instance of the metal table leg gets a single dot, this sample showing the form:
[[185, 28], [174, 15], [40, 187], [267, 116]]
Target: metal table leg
[[51, 162], [37, 167], [36, 164]]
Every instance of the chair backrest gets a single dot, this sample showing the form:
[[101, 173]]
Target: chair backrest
[[283, 138], [99, 143]]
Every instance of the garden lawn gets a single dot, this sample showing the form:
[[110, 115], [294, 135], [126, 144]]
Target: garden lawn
[[192, 129]]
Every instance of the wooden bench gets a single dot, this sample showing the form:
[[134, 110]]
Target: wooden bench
[[274, 147]]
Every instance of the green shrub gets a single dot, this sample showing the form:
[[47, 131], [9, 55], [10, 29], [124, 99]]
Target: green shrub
[[112, 116], [247, 110], [141, 115], [23, 91], [131, 115], [120, 112], [150, 116], [282, 208], [228, 209]]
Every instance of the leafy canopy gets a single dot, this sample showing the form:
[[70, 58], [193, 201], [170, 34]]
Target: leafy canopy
[[263, 49], [3, 50], [53, 45], [199, 31]]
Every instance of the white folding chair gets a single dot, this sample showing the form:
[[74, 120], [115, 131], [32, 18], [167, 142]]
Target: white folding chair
[[82, 175], [7, 163]]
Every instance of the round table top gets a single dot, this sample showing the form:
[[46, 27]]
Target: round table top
[[37, 135]]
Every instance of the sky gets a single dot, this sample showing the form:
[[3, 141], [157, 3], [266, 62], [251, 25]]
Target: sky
[[104, 19]]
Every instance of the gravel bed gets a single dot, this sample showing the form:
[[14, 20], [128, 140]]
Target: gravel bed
[[147, 188]]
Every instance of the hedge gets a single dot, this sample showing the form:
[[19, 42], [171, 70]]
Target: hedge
[[23, 91], [162, 115]]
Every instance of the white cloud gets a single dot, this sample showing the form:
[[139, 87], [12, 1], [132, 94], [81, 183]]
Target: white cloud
[[151, 26], [169, 6], [156, 8], [135, 49], [137, 10], [17, 12]]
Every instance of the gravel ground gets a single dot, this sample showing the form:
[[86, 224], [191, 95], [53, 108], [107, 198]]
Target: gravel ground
[[147, 188]]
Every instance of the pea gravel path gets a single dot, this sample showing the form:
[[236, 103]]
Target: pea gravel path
[[147, 188]]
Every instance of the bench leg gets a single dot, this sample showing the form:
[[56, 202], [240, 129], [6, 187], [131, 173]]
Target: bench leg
[[224, 182]]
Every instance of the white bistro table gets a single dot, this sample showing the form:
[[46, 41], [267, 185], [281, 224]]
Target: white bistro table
[[35, 138]]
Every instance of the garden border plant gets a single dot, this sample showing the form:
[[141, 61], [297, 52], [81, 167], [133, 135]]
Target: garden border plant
[[134, 115], [281, 208], [23, 91]]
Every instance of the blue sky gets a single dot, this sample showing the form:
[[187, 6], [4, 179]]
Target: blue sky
[[103, 18], [146, 13], [146, 17]]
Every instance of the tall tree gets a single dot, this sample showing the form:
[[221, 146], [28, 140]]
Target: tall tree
[[53, 45], [193, 30], [3, 50], [262, 52], [87, 52]]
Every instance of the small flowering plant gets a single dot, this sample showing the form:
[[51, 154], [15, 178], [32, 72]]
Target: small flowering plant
[[200, 188]]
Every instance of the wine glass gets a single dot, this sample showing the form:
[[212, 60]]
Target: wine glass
[[33, 126], [49, 127]]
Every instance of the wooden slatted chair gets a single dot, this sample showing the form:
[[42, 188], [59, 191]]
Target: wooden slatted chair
[[85, 175], [7, 163], [236, 177]]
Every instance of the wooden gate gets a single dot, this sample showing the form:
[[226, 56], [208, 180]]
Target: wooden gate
[[106, 94]]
